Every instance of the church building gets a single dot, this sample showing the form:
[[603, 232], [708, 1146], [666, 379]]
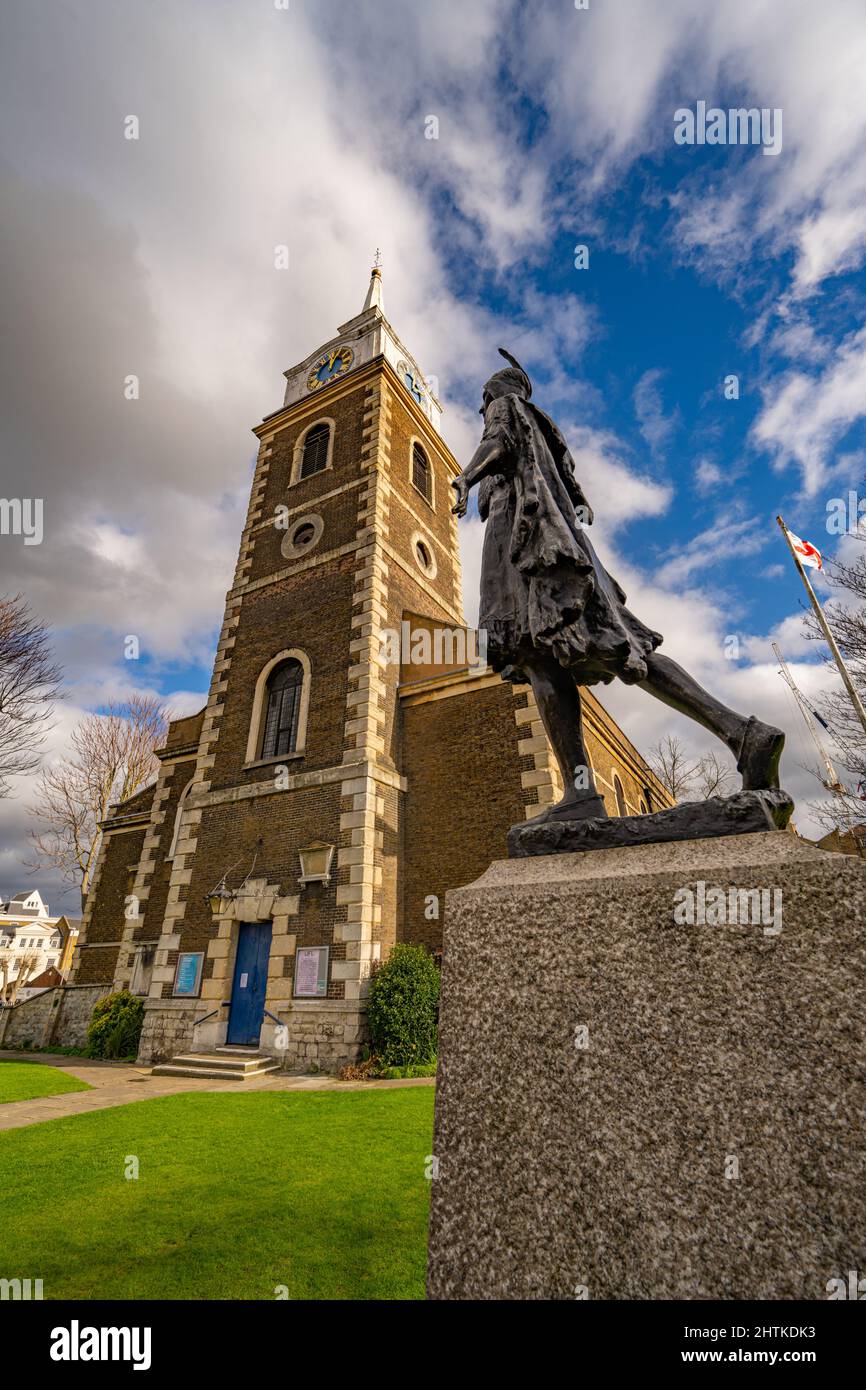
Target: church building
[[355, 758]]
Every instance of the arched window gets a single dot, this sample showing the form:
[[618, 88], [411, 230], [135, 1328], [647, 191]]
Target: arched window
[[421, 471], [278, 719], [315, 456], [620, 796], [283, 708]]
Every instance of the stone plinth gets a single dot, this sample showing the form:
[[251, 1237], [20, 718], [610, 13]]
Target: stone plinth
[[632, 1107]]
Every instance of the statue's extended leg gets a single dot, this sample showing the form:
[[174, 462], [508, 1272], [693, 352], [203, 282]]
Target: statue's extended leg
[[558, 701], [756, 746]]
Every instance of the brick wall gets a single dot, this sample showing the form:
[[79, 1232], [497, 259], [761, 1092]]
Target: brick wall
[[464, 792], [104, 918]]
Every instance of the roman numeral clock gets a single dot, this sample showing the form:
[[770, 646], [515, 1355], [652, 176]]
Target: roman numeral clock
[[329, 366]]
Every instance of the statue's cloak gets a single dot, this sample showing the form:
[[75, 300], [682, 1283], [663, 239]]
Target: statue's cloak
[[543, 588]]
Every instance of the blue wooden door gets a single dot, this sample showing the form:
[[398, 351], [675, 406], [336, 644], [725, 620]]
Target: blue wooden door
[[250, 983]]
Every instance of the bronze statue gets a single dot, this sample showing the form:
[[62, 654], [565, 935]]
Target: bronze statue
[[553, 615]]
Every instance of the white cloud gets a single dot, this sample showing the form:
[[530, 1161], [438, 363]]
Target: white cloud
[[617, 493], [708, 475], [804, 417], [724, 541], [655, 426]]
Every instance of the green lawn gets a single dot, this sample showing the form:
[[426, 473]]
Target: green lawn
[[323, 1192], [27, 1080]]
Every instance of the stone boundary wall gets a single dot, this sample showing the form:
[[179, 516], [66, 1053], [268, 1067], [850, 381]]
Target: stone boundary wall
[[58, 1016]]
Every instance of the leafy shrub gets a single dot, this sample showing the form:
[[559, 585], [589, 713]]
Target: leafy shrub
[[401, 1008], [115, 1026]]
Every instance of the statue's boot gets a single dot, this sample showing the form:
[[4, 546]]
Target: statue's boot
[[759, 756], [585, 806]]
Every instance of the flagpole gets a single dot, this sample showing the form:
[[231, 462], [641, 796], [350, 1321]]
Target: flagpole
[[831, 640]]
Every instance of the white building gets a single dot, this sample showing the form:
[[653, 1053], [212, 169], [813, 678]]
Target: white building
[[27, 928]]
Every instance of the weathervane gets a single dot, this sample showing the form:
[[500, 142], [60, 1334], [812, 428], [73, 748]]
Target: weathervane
[[377, 259]]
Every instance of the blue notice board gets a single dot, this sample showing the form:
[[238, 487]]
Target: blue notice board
[[187, 977]]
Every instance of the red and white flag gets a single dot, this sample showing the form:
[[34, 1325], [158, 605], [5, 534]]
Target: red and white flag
[[807, 552]]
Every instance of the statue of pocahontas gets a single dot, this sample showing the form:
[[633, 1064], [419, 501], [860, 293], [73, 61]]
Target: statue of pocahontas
[[554, 616]]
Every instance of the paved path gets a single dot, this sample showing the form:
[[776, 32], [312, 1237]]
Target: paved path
[[120, 1083]]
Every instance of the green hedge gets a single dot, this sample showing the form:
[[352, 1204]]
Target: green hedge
[[401, 1073], [115, 1026], [401, 1008]]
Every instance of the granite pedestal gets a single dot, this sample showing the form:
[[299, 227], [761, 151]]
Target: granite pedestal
[[635, 1105]]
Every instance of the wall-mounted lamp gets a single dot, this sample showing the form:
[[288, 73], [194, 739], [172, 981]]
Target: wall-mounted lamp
[[220, 899], [316, 863]]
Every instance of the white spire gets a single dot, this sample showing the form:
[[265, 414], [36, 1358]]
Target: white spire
[[374, 293]]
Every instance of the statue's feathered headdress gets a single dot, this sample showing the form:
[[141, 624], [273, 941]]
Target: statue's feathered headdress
[[513, 378], [522, 375]]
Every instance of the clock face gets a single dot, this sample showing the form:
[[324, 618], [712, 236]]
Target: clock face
[[329, 366], [413, 382]]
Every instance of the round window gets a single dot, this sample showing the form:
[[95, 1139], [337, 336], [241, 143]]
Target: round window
[[422, 550], [302, 536]]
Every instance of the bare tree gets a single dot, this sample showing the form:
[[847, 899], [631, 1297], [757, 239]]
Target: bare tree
[[844, 810], [113, 756], [29, 683], [689, 779], [713, 776], [669, 762], [29, 966]]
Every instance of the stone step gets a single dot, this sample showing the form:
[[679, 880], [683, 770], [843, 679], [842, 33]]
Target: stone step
[[213, 1067], [211, 1073], [215, 1059]]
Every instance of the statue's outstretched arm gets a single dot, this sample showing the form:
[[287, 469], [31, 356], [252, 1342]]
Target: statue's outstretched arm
[[485, 460]]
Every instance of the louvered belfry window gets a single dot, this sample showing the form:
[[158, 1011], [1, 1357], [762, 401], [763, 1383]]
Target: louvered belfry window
[[315, 451], [284, 703], [420, 470]]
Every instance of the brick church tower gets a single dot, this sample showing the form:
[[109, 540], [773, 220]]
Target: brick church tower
[[349, 526], [327, 794]]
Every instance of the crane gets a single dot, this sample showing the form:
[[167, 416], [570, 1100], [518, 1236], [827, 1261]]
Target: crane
[[831, 782]]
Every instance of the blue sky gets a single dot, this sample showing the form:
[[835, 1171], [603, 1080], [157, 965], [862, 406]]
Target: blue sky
[[307, 127]]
